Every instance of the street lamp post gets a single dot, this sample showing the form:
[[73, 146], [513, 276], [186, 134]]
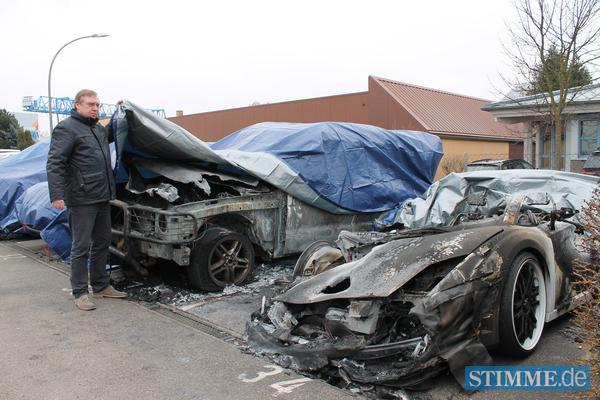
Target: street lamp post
[[95, 35]]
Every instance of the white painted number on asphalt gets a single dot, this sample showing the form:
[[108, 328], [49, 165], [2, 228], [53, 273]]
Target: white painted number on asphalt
[[281, 387], [262, 375], [288, 386], [9, 257]]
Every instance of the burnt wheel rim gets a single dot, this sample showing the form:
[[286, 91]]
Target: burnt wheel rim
[[229, 262], [528, 304]]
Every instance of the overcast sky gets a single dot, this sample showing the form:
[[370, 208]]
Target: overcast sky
[[201, 56]]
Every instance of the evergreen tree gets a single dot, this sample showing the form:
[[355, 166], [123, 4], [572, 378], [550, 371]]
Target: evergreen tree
[[555, 72], [8, 130]]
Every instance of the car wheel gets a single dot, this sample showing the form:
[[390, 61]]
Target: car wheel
[[523, 306], [220, 258], [318, 257]]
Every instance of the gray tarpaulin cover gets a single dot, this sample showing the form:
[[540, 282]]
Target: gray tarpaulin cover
[[447, 197], [338, 167]]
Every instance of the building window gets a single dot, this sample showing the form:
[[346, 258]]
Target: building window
[[589, 137]]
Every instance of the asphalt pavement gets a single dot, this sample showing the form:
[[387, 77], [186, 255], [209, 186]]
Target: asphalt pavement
[[123, 349]]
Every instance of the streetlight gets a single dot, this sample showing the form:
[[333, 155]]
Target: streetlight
[[95, 35]]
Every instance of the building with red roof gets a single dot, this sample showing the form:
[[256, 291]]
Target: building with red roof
[[467, 131]]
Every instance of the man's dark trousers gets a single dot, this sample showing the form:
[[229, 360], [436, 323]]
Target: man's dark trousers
[[90, 226]]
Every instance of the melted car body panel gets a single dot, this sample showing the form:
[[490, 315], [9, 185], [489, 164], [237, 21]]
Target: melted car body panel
[[387, 267]]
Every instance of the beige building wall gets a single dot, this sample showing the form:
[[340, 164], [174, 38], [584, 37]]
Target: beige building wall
[[458, 152]]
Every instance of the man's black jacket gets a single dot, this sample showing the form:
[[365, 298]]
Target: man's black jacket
[[79, 168]]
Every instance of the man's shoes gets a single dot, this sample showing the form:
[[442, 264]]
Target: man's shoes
[[84, 303], [110, 292]]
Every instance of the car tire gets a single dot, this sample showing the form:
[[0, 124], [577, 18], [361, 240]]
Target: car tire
[[303, 267], [522, 306], [220, 258]]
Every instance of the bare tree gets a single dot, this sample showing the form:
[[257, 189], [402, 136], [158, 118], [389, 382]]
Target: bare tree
[[552, 41]]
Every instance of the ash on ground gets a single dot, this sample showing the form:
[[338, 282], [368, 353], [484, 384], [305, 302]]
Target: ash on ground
[[169, 285]]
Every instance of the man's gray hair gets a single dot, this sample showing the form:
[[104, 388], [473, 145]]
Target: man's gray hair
[[84, 93]]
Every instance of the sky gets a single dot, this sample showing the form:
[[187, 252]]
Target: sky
[[199, 56]]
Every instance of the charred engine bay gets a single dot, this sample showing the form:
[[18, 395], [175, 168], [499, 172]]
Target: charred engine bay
[[373, 347], [163, 184]]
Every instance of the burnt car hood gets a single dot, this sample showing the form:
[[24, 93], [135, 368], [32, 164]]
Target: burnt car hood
[[387, 267]]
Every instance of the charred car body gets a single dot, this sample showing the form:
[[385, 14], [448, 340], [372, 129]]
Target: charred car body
[[392, 309], [218, 237], [269, 189]]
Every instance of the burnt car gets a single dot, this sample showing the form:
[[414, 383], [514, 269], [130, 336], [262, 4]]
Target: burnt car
[[265, 191], [490, 164], [394, 309]]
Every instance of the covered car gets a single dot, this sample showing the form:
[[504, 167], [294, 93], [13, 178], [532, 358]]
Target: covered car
[[267, 190], [19, 172], [34, 215], [393, 309], [25, 206]]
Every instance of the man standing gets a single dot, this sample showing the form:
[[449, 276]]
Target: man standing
[[80, 176]]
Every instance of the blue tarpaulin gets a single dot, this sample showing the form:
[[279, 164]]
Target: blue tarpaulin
[[32, 209], [58, 235], [358, 167], [20, 172], [33, 212], [338, 167], [24, 199]]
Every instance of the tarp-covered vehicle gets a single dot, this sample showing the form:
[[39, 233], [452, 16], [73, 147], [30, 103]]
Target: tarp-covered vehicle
[[19, 172], [483, 261], [271, 189], [25, 207]]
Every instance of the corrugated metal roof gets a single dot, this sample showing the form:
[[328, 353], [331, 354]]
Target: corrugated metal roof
[[448, 113], [581, 94]]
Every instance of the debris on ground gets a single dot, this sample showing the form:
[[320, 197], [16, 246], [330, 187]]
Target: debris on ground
[[172, 289]]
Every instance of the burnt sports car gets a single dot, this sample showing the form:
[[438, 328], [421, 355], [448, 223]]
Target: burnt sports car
[[393, 309]]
